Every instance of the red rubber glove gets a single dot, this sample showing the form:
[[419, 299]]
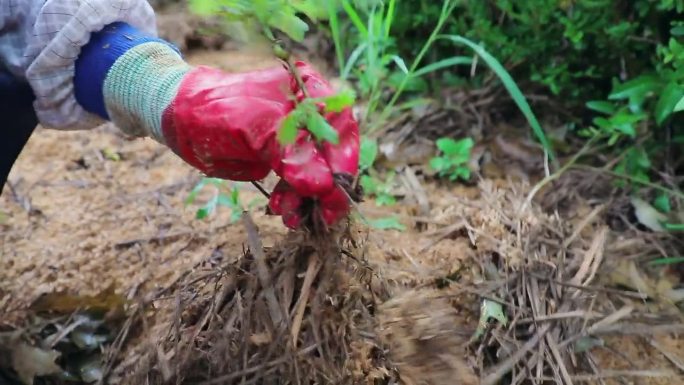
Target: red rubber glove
[[225, 125]]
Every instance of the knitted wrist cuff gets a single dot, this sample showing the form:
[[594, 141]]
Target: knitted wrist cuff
[[140, 85]]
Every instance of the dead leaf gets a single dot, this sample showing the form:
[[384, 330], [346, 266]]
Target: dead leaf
[[260, 338], [627, 274], [30, 362], [60, 302], [648, 215]]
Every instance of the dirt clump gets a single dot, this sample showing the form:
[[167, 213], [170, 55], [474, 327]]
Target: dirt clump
[[426, 339]]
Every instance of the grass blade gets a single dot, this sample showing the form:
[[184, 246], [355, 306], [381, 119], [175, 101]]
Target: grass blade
[[355, 19], [444, 63], [353, 58], [389, 17], [510, 86], [334, 22], [666, 261], [400, 63]]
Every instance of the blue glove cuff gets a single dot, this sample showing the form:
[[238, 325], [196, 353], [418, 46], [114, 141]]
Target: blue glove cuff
[[97, 58]]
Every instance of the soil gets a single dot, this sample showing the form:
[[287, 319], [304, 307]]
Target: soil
[[88, 210]]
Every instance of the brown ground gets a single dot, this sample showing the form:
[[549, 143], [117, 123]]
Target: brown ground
[[78, 221]]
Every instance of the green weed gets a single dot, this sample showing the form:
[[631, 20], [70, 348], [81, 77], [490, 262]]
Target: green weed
[[227, 195], [453, 161]]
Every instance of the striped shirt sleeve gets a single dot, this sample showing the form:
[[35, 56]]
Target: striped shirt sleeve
[[41, 39]]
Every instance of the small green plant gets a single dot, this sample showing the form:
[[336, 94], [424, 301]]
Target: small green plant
[[226, 194], [369, 180], [284, 16], [306, 114], [382, 190], [453, 161], [368, 53], [373, 186]]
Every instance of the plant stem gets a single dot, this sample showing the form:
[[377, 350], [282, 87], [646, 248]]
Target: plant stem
[[447, 9], [261, 189], [291, 67], [630, 178]]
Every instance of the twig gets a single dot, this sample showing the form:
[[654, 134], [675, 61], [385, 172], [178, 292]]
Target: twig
[[261, 189], [556, 175], [506, 366], [671, 357], [262, 269], [600, 325], [555, 351], [622, 373], [560, 316], [254, 369], [311, 272], [624, 293], [632, 179]]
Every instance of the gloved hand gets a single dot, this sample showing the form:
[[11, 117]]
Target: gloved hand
[[223, 124], [226, 124]]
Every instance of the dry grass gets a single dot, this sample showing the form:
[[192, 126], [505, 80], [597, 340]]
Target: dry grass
[[298, 312]]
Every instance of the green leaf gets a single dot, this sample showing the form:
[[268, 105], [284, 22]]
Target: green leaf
[[637, 87], [462, 172], [585, 344], [451, 147], [669, 98], [353, 58], [680, 105], [193, 194], [313, 9], [662, 203], [287, 134], [601, 106], [235, 196], [224, 200], [677, 31], [387, 223], [235, 215], [355, 19], [321, 129], [636, 91], [204, 7], [400, 63], [369, 184], [674, 226], [489, 310], [413, 84], [440, 164], [666, 261], [368, 153], [339, 101], [444, 63], [385, 200], [199, 186], [290, 24], [389, 17], [208, 208], [510, 86]]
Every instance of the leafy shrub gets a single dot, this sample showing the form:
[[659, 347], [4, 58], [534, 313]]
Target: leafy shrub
[[617, 66], [571, 48]]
